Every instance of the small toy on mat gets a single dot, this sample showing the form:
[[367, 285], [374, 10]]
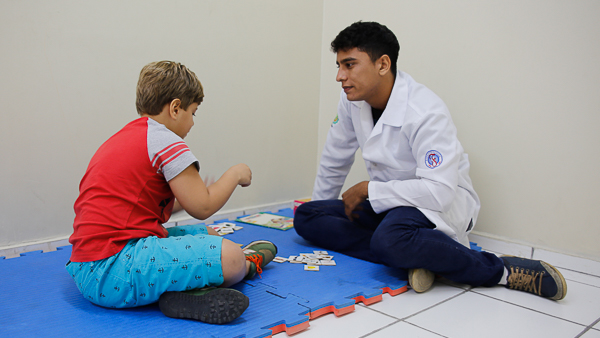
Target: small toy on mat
[[312, 260], [297, 203], [225, 228]]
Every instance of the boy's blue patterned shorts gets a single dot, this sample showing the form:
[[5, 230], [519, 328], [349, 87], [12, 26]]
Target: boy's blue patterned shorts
[[147, 267]]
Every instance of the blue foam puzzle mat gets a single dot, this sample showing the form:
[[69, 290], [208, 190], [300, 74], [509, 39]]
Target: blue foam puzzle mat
[[335, 286], [39, 298]]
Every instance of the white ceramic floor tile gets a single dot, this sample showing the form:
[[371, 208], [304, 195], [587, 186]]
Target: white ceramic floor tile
[[580, 277], [403, 329], [568, 262], [580, 305], [501, 247], [352, 325], [410, 302], [591, 334], [475, 315]]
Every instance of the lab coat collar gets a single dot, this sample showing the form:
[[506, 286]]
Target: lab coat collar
[[395, 110]]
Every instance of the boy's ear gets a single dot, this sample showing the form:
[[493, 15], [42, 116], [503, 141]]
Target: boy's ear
[[174, 108], [385, 64]]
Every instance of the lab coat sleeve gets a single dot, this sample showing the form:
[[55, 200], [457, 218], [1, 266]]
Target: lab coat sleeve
[[433, 186], [338, 155]]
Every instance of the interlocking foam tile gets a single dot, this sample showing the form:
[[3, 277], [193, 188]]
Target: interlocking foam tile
[[333, 288], [39, 298]]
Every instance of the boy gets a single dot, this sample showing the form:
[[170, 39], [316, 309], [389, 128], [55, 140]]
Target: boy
[[419, 205], [122, 255]]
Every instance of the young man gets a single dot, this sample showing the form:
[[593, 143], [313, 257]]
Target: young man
[[417, 209]]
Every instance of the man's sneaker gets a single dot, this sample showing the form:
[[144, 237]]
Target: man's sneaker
[[420, 280], [536, 277], [213, 305], [259, 253]]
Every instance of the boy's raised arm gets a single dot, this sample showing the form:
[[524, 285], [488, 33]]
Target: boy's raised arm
[[202, 202]]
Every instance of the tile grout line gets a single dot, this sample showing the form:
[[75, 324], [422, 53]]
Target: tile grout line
[[383, 313], [422, 328], [580, 272], [442, 302], [423, 310], [398, 320], [588, 328], [527, 308], [576, 281], [383, 327]]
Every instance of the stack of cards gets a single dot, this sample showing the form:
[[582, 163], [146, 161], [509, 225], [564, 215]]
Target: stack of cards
[[225, 228], [311, 260]]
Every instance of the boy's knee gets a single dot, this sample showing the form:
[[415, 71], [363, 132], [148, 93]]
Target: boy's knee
[[233, 262]]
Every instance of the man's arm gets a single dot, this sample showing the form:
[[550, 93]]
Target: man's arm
[[435, 184], [337, 156]]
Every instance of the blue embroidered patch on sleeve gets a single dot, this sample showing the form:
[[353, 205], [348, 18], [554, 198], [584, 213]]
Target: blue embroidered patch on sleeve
[[433, 159]]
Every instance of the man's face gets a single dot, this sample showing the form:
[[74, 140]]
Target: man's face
[[358, 74]]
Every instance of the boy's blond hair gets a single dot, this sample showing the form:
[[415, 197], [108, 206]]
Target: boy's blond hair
[[164, 81]]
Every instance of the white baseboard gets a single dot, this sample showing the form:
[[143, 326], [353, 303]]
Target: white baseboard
[[564, 260], [181, 218], [487, 241]]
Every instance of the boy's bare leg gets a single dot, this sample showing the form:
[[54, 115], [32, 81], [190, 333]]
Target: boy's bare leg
[[234, 263]]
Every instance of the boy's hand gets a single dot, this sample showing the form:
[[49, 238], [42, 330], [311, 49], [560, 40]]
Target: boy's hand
[[245, 174]]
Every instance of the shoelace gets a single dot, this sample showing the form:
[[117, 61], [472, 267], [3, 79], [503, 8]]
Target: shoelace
[[257, 260], [525, 280]]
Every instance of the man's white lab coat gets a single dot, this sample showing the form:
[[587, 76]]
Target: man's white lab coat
[[412, 155]]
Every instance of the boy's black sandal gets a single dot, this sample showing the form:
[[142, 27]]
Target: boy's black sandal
[[213, 306]]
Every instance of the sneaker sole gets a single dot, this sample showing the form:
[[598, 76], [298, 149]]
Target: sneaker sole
[[219, 306], [420, 280], [561, 284]]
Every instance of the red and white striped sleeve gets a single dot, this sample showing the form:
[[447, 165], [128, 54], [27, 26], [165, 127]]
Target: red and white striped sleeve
[[168, 153]]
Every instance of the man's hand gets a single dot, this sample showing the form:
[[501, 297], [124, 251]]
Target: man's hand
[[353, 197]]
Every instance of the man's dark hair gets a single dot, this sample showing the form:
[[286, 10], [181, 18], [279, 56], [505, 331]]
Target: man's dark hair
[[370, 37]]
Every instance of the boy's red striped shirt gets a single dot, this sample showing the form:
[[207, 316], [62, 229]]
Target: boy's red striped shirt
[[168, 154]]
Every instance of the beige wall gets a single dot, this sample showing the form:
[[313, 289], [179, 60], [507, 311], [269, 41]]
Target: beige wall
[[68, 71], [522, 81]]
